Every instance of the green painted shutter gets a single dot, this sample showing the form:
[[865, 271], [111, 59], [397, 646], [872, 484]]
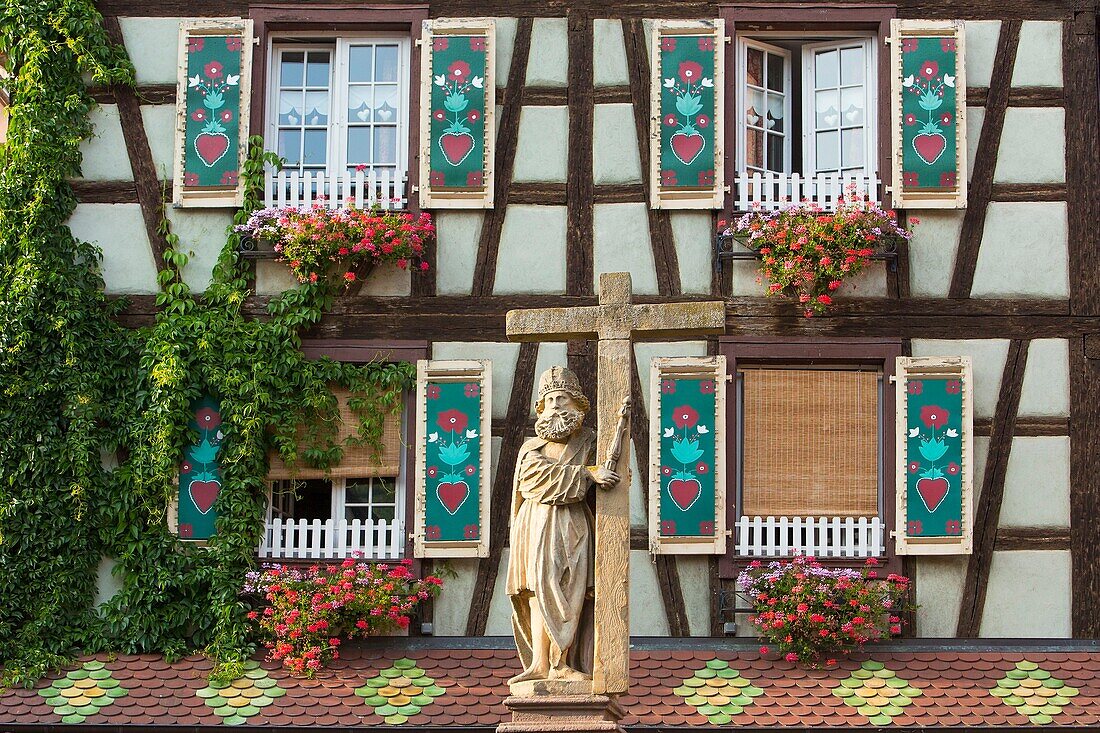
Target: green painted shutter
[[928, 111], [935, 455], [212, 105], [457, 108], [687, 114], [200, 473], [687, 475], [454, 417]]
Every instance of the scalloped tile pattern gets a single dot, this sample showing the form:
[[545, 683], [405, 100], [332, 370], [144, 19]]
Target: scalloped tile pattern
[[1034, 692], [718, 692], [237, 701], [877, 692], [82, 692], [400, 692]]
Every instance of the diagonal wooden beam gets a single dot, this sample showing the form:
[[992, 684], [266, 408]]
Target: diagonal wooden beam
[[488, 246], [579, 265], [985, 160], [988, 513], [140, 154], [660, 224], [519, 408]]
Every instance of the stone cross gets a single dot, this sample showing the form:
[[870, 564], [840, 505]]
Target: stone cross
[[614, 322]]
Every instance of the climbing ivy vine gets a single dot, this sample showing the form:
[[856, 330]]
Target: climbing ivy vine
[[95, 415]]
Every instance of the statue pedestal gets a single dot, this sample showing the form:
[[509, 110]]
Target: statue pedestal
[[558, 713]]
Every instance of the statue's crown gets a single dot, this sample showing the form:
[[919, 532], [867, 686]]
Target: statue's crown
[[558, 378]]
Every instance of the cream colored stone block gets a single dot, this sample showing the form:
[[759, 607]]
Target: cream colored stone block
[[932, 251], [981, 48], [647, 612], [1029, 595], [119, 231], [609, 53], [615, 156], [1024, 251], [160, 128], [1037, 483], [694, 239], [202, 234], [503, 356], [694, 574], [645, 352], [104, 154], [548, 64], [506, 41], [451, 607], [542, 150], [499, 621], [939, 583], [621, 244], [1033, 146], [1039, 56], [1046, 379], [153, 44], [531, 258], [457, 234], [988, 357], [975, 117]]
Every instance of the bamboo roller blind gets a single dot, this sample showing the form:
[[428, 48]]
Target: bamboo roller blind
[[358, 460], [810, 443]]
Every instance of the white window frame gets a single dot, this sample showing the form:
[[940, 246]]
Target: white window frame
[[870, 104], [336, 151], [742, 77]]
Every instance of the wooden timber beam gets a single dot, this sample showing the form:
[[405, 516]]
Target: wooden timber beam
[[1032, 538], [579, 264]]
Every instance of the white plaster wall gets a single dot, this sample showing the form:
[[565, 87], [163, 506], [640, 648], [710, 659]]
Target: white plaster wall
[[1039, 57], [503, 356], [981, 48], [160, 128], [452, 606], [1033, 146], [499, 621], [647, 613], [1024, 251], [615, 157], [1029, 595], [1045, 389], [621, 244], [932, 252], [694, 573], [506, 40], [531, 258], [155, 41], [609, 53], [202, 236], [746, 278], [1037, 483], [939, 582], [273, 278], [645, 352], [542, 150], [988, 357], [871, 283], [457, 234], [548, 64], [107, 583], [119, 231], [104, 153], [694, 240], [975, 117]]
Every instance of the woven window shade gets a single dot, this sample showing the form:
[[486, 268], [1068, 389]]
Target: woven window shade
[[810, 443], [358, 460]]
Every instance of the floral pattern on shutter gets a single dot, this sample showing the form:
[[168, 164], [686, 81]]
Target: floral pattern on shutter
[[454, 413], [935, 455], [457, 110], [212, 112], [928, 86], [686, 98], [200, 473], [687, 506]]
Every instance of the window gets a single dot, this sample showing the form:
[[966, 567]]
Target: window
[[341, 105], [812, 426]]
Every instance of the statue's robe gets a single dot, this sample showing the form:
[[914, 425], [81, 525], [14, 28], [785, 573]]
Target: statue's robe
[[552, 548]]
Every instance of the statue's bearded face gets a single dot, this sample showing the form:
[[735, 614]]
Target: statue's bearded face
[[560, 417]]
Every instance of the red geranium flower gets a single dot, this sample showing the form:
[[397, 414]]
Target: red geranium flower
[[933, 416], [685, 416], [458, 71], [690, 72], [208, 418], [452, 420]]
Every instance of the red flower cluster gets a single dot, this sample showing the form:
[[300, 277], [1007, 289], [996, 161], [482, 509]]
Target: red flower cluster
[[307, 612], [809, 611]]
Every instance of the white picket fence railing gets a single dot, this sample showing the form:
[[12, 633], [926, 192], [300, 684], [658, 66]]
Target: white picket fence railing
[[771, 191], [812, 536], [314, 539], [353, 190]]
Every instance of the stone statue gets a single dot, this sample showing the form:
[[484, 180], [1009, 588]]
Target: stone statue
[[550, 568]]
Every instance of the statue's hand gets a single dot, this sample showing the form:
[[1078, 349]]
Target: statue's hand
[[605, 477]]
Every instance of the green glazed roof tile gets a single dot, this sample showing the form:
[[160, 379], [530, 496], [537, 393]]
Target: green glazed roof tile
[[860, 690], [727, 692], [1025, 698]]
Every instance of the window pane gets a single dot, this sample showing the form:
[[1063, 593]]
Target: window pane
[[316, 144], [358, 492], [359, 145], [827, 74], [289, 104], [826, 110], [851, 105], [385, 63], [357, 512], [384, 490], [775, 113], [316, 108], [317, 65], [290, 69], [360, 63], [852, 147], [754, 71], [385, 103], [385, 145], [359, 101], [828, 151], [754, 108], [314, 500], [851, 65], [754, 149], [290, 144], [775, 153], [383, 512], [775, 72]]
